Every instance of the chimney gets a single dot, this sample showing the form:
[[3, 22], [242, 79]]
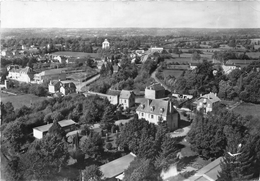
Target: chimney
[[170, 105]]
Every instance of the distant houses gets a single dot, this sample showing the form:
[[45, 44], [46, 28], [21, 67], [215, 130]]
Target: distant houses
[[47, 75], [64, 87], [66, 125]]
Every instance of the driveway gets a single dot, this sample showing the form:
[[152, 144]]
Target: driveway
[[184, 132]]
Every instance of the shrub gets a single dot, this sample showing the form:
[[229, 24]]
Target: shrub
[[109, 146]]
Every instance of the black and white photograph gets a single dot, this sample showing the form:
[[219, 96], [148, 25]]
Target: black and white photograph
[[129, 90]]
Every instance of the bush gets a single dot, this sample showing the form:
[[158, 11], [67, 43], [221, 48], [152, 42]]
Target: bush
[[109, 146]]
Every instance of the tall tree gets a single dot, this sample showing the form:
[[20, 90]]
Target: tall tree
[[92, 173]]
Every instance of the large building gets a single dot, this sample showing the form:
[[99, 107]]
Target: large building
[[105, 44], [21, 74], [155, 109], [47, 75], [207, 102], [154, 91]]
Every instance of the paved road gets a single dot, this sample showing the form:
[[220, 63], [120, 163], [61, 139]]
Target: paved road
[[83, 84], [180, 134]]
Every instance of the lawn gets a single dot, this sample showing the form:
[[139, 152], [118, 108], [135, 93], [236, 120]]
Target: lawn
[[175, 73], [20, 100], [245, 109]]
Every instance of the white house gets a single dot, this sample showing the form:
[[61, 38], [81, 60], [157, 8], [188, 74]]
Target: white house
[[127, 99], [207, 102]]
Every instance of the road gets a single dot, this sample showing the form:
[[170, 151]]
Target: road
[[83, 84], [158, 81]]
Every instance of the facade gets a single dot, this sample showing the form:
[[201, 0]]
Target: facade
[[207, 102], [67, 88], [228, 68], [21, 74], [105, 44], [40, 131], [155, 91], [155, 49], [54, 86], [111, 95], [155, 109], [127, 99]]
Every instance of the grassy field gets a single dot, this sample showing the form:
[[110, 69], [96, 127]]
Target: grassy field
[[253, 54], [175, 73], [20, 100], [245, 109]]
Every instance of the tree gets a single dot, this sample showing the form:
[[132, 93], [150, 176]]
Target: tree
[[196, 56], [45, 158], [108, 117], [56, 116], [141, 169], [92, 145], [56, 130], [92, 173], [109, 146]]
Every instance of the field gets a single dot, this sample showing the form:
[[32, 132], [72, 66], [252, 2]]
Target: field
[[245, 109], [175, 73], [20, 100], [253, 54]]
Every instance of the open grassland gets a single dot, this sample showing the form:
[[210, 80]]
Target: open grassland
[[20, 100], [246, 109]]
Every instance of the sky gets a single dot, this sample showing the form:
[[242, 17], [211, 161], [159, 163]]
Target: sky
[[139, 14]]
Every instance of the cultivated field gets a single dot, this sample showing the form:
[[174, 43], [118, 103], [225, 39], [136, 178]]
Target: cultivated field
[[245, 109], [20, 100], [175, 73]]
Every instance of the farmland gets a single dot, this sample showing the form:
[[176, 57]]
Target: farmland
[[246, 109], [20, 100], [175, 73]]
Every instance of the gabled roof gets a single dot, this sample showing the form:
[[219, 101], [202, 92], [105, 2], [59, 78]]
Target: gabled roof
[[113, 92], [25, 70], [211, 97], [116, 167], [125, 94], [155, 87], [155, 106], [208, 173]]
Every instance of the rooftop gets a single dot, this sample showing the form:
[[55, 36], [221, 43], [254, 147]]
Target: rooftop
[[62, 123], [211, 96], [125, 94], [113, 92], [155, 87], [116, 167]]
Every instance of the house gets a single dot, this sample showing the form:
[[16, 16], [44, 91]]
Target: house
[[229, 68], [40, 131], [115, 68], [127, 99], [155, 109], [208, 173], [54, 86], [155, 49], [21, 74], [67, 87], [182, 96], [207, 102], [105, 44], [115, 170], [154, 91]]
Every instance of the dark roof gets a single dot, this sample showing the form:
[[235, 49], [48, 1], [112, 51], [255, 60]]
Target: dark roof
[[62, 123], [116, 167], [113, 92], [25, 70], [182, 67], [155, 106]]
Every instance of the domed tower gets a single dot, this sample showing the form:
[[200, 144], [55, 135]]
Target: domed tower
[[105, 44]]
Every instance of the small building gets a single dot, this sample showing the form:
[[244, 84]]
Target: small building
[[52, 74], [111, 95], [229, 68], [21, 74], [127, 99], [67, 88], [155, 109], [105, 44], [182, 96], [115, 170], [155, 49], [40, 131], [208, 173], [207, 102], [54, 86], [155, 91]]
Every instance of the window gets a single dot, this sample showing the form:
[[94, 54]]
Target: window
[[125, 101], [151, 116], [142, 114]]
